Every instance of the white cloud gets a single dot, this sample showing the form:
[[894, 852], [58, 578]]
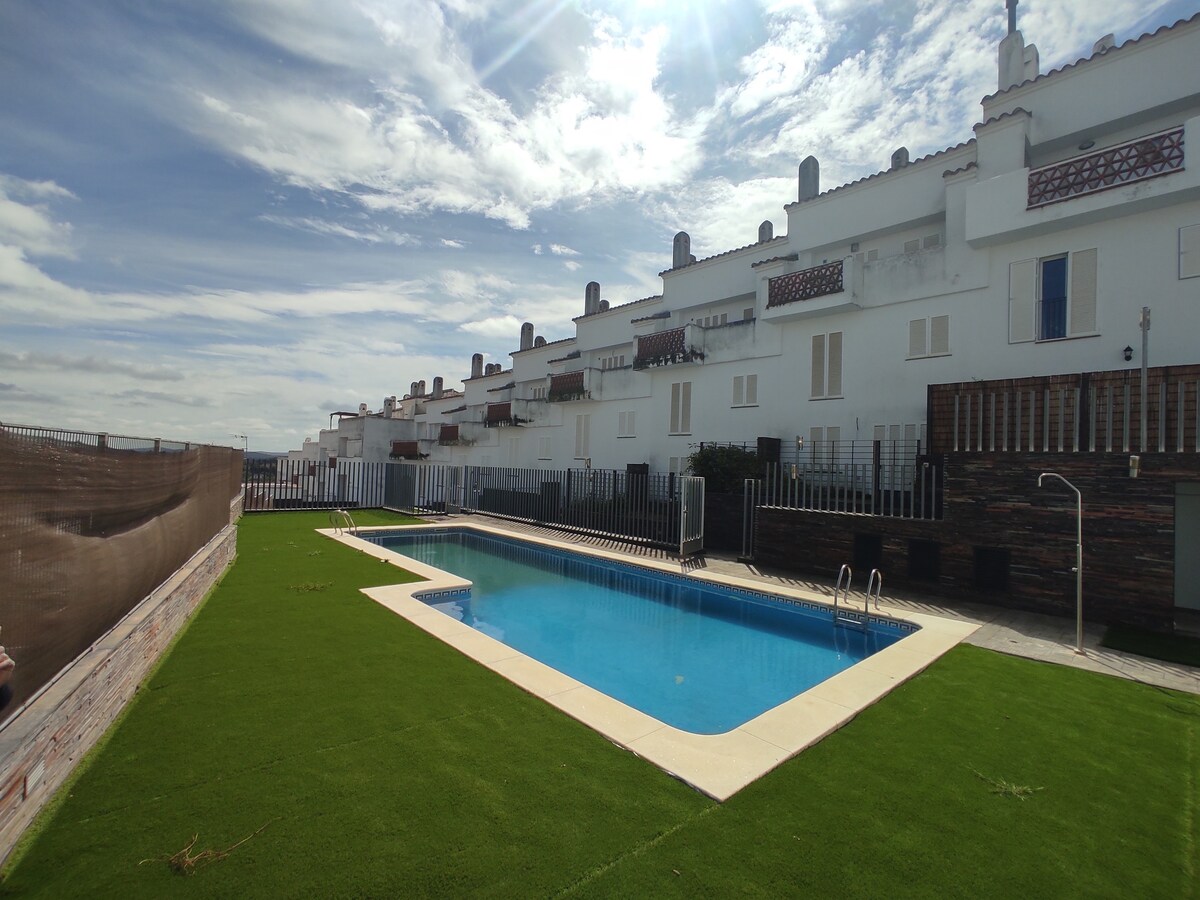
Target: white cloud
[[452, 244], [562, 250], [571, 266], [496, 327], [371, 234], [420, 132], [29, 227]]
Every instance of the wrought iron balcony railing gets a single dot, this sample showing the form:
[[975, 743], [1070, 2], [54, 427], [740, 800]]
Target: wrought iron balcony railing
[[1146, 157], [806, 285]]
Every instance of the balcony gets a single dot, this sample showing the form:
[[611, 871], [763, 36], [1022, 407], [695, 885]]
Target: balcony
[[500, 415], [448, 435], [406, 450], [816, 291], [806, 284], [567, 386], [1137, 160], [666, 348]]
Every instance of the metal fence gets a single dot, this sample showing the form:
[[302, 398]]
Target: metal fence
[[275, 484], [889, 485], [659, 509], [96, 440]]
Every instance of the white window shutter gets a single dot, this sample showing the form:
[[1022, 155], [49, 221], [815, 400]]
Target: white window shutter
[[685, 408], [1189, 251], [751, 390], [880, 433], [580, 437], [1022, 300], [818, 366], [674, 426], [738, 390], [834, 384], [939, 334], [1083, 292], [916, 338]]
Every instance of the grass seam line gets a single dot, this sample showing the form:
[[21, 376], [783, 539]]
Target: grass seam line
[[634, 852]]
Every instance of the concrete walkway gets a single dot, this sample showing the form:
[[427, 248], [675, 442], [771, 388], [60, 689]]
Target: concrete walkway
[[1031, 635]]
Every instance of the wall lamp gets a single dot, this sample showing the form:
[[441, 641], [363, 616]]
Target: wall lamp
[[1128, 351]]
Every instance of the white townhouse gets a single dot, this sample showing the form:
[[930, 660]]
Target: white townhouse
[[1029, 249]]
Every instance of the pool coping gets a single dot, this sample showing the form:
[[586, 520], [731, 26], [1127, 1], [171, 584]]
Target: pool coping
[[718, 765]]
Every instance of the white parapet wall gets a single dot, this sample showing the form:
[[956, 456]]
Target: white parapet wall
[[45, 741]]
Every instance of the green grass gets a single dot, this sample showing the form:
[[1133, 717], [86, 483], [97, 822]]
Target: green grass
[[1175, 648], [382, 763]]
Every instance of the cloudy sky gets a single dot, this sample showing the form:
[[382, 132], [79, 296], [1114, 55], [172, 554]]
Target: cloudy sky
[[229, 217]]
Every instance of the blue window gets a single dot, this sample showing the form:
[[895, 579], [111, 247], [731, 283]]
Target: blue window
[[1052, 317]]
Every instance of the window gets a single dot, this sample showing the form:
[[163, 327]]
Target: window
[[912, 246], [626, 424], [823, 443], [1053, 297], [745, 390], [713, 321], [873, 255], [616, 361], [747, 313], [543, 448], [1189, 252], [539, 393], [678, 465], [514, 451], [930, 241], [582, 428], [826, 366], [681, 408], [929, 337]]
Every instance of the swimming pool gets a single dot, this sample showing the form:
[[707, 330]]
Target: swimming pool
[[697, 656]]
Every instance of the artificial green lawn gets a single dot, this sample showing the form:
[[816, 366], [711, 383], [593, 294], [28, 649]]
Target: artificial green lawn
[[385, 764]]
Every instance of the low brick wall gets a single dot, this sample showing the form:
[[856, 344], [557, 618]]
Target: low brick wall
[[42, 745], [994, 509]]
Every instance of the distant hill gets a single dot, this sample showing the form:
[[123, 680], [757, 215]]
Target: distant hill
[[264, 454]]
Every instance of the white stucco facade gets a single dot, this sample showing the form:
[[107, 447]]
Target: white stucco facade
[[951, 268]]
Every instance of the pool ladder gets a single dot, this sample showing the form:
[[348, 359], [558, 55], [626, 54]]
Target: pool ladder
[[842, 591], [342, 521]]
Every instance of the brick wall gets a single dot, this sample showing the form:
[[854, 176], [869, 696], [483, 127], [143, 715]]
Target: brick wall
[[41, 746], [992, 501]]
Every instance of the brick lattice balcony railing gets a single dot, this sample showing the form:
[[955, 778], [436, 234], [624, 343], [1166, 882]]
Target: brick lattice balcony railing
[[405, 450], [498, 414], [1146, 157], [567, 386], [663, 349], [806, 285], [448, 434]]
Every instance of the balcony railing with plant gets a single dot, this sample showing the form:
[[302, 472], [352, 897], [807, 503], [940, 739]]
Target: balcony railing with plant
[[665, 348], [567, 386]]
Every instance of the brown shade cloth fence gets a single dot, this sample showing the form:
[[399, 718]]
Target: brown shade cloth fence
[[88, 529]]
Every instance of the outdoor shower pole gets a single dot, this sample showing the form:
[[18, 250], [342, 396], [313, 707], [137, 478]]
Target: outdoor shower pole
[[1078, 558], [1144, 323]]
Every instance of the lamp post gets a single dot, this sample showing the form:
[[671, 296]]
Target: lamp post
[[244, 439], [1078, 558]]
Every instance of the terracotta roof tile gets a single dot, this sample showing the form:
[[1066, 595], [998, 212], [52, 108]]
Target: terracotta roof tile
[[915, 162], [781, 237], [762, 262], [1087, 59]]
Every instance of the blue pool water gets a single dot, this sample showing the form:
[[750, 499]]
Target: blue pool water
[[702, 658]]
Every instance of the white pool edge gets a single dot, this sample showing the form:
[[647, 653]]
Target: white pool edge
[[718, 765]]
